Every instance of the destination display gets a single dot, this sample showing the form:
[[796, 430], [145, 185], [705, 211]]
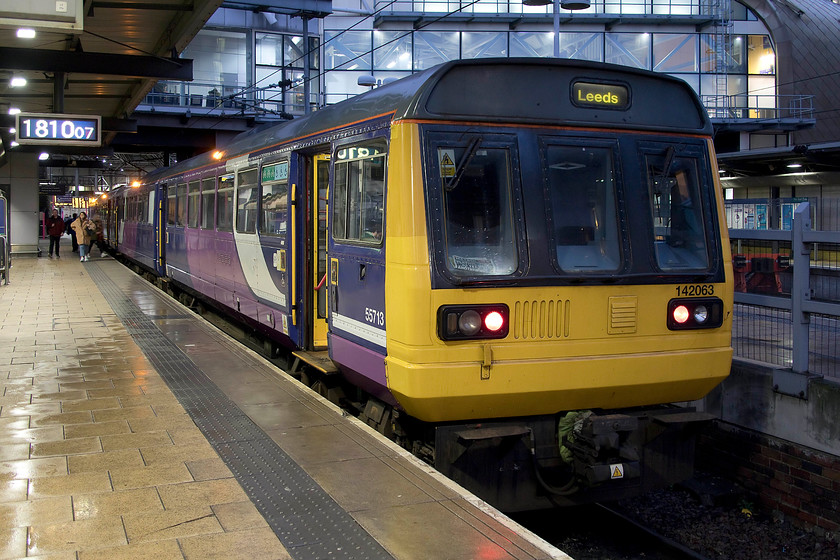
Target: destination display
[[608, 96]]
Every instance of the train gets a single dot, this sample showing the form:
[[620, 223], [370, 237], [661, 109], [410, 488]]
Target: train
[[517, 268]]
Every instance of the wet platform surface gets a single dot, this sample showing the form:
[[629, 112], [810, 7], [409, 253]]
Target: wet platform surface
[[132, 428]]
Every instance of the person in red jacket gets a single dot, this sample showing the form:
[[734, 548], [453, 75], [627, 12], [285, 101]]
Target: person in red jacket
[[55, 229]]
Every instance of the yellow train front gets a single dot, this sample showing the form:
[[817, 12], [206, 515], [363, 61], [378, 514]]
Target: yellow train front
[[557, 270]]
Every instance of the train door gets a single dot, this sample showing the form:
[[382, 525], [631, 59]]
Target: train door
[[158, 216], [357, 254], [317, 247]]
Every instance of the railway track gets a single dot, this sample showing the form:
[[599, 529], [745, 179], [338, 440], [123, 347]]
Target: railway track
[[603, 532]]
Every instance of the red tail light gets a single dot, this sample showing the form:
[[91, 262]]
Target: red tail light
[[468, 322], [695, 313]]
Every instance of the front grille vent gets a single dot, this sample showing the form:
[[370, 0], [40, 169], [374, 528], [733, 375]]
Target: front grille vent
[[623, 314], [541, 319]]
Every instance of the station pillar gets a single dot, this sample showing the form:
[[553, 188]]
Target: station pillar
[[19, 183]]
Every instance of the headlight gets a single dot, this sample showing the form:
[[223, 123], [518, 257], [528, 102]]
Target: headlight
[[464, 322], [696, 313]]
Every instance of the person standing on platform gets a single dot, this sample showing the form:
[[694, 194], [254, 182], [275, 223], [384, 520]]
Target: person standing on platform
[[98, 237], [72, 232], [81, 226], [55, 229]]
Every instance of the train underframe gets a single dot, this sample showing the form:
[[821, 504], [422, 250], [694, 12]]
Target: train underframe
[[569, 459]]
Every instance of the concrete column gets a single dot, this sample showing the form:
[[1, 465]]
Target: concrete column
[[19, 178]]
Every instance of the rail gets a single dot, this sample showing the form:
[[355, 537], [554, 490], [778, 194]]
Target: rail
[[787, 296], [615, 7], [764, 107]]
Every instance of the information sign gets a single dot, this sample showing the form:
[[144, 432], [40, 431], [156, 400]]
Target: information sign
[[58, 129]]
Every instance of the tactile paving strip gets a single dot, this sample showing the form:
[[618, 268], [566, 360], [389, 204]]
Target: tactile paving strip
[[309, 523]]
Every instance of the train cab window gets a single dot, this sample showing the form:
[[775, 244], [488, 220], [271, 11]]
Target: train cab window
[[677, 212], [246, 201], [224, 204], [181, 194], [478, 210], [193, 196], [208, 202], [582, 208], [171, 206], [274, 195], [359, 193]]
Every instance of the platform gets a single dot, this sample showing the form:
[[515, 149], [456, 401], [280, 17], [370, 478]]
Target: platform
[[132, 428]]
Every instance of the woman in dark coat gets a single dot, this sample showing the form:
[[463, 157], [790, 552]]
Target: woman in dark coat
[[55, 229]]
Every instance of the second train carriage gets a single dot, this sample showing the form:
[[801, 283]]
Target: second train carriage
[[520, 259]]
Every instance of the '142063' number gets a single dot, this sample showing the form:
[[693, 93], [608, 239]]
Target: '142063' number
[[696, 290]]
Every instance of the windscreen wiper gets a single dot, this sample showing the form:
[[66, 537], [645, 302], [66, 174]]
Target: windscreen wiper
[[472, 148]]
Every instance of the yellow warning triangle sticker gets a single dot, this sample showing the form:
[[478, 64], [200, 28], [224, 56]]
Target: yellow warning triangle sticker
[[445, 160], [617, 472]]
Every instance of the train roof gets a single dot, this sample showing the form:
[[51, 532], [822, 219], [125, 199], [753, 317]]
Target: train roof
[[531, 91]]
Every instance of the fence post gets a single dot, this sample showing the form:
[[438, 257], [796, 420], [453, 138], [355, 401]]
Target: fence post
[[801, 289]]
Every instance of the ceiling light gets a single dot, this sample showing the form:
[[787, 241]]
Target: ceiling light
[[26, 33], [43, 156], [794, 165], [13, 144], [14, 110], [17, 81]]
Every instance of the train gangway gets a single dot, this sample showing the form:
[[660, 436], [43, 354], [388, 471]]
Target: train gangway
[[132, 428]]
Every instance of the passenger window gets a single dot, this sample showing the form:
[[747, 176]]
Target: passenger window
[[181, 218], [478, 210], [359, 197], [246, 201], [171, 206], [224, 204], [275, 198], [677, 212], [582, 208], [208, 202], [194, 196]]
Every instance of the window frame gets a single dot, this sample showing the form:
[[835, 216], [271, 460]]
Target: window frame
[[225, 224], [547, 141], [335, 206], [262, 221], [249, 217], [433, 139]]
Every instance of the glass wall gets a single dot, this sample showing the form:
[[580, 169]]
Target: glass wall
[[281, 58], [749, 60]]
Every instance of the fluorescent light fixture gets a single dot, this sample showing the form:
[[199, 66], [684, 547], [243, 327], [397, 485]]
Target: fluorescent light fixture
[[26, 33], [17, 81], [794, 165], [43, 156]]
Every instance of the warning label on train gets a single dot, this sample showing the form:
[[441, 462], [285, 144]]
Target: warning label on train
[[617, 471], [446, 159]]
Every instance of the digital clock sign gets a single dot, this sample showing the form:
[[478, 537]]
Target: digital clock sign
[[59, 130]]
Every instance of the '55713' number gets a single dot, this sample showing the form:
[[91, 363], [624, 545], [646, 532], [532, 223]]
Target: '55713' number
[[374, 317]]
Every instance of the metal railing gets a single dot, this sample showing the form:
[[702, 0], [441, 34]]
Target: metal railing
[[787, 296], [203, 98], [613, 7], [5, 263], [748, 106]]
